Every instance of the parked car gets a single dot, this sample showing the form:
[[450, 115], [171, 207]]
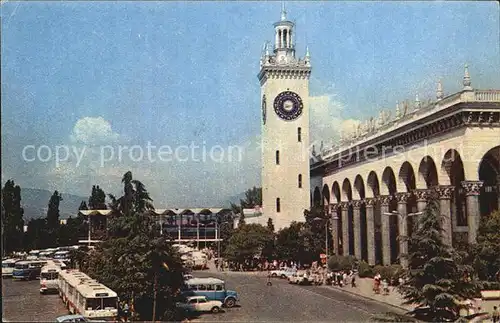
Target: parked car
[[299, 278], [200, 304], [283, 272], [74, 318]]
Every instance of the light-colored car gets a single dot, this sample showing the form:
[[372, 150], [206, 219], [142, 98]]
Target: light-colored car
[[283, 272], [200, 304], [299, 278], [74, 318]]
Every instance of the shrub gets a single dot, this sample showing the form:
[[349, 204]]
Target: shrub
[[365, 270], [336, 262]]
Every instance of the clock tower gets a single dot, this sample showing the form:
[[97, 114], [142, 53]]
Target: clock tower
[[284, 81]]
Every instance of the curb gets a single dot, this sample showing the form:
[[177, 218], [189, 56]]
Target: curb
[[406, 310]]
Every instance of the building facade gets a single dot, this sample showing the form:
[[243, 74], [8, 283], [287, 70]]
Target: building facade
[[284, 81], [375, 184]]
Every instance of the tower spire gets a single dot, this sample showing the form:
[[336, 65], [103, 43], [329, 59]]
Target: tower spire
[[283, 11]]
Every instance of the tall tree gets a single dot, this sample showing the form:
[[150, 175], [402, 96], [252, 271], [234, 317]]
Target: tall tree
[[269, 249], [97, 199], [36, 236], [270, 225], [135, 261], [241, 219], [12, 218], [52, 219], [253, 198], [486, 251], [436, 278]]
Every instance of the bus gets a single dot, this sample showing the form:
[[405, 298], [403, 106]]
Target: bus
[[49, 277], [212, 289], [28, 269], [62, 255], [8, 266], [86, 296]]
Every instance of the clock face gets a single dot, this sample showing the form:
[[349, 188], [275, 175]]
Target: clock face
[[288, 105], [264, 109]]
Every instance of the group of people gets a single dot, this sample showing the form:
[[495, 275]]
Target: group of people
[[341, 278], [379, 283]]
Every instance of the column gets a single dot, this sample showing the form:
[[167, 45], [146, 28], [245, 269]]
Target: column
[[445, 193], [472, 189], [370, 230], [386, 233], [277, 39], [422, 197], [335, 227], [357, 228], [345, 228], [287, 38], [403, 228]]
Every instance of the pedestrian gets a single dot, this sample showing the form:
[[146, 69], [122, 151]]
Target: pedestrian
[[495, 316], [376, 283], [353, 281], [385, 287]]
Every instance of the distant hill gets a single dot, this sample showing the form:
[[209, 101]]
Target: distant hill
[[35, 203]]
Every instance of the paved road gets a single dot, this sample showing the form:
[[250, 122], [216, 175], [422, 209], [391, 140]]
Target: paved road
[[22, 302], [284, 302]]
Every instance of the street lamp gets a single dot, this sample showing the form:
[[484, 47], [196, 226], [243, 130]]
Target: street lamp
[[403, 218]]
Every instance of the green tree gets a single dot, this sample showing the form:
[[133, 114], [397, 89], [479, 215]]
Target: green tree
[[486, 251], [241, 219], [83, 206], [253, 198], [97, 199], [270, 225], [36, 236], [135, 261], [12, 218], [52, 219], [247, 242], [436, 277], [226, 228], [290, 243]]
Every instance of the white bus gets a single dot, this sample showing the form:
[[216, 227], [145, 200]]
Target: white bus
[[49, 276], [8, 266], [85, 296], [61, 255]]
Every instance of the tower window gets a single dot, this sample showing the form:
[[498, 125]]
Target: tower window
[[277, 157], [300, 180], [278, 206], [299, 134]]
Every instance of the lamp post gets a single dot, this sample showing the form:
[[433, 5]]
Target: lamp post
[[403, 242]]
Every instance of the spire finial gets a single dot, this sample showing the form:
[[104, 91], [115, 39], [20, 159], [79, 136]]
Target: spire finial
[[283, 11], [267, 48], [467, 81], [417, 102], [439, 92], [398, 111], [307, 51]]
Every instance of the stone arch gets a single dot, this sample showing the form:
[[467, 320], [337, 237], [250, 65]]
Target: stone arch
[[326, 195], [336, 192], [427, 173], [373, 185], [406, 178], [489, 174], [452, 173], [359, 188], [346, 190], [316, 197], [388, 186]]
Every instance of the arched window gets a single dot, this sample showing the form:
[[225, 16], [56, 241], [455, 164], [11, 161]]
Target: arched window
[[277, 157], [278, 206], [300, 180], [299, 134]]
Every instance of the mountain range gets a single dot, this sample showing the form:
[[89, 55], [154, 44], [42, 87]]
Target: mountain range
[[35, 203]]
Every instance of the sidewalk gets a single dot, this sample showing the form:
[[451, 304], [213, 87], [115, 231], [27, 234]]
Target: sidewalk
[[364, 289]]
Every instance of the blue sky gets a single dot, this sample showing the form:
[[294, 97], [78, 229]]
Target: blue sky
[[172, 73]]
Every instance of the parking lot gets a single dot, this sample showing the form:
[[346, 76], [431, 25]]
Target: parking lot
[[22, 302]]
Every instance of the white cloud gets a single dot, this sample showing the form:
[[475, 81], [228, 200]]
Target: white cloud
[[326, 120], [90, 130]]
